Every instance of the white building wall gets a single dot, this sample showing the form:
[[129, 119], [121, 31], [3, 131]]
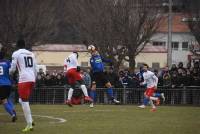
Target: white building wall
[[177, 55]]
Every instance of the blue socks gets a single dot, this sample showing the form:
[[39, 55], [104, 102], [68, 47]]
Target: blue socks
[[93, 95], [10, 102], [110, 93], [145, 101], [157, 95], [9, 109]]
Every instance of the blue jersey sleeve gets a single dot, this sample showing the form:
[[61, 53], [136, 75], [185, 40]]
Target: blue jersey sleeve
[[106, 60], [9, 64]]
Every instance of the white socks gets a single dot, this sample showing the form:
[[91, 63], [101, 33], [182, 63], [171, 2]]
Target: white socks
[[151, 102], [153, 98], [84, 89], [70, 93], [27, 113]]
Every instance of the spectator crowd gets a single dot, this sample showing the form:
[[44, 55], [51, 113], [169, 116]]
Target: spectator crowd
[[176, 76]]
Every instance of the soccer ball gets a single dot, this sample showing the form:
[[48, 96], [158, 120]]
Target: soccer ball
[[91, 48]]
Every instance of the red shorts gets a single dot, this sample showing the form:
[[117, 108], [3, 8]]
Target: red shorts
[[149, 92], [73, 76], [25, 89]]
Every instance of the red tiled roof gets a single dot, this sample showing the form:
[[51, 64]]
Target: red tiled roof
[[82, 48], [154, 49], [60, 47], [177, 24]]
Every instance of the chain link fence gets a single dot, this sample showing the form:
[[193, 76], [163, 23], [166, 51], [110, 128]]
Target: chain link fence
[[174, 96]]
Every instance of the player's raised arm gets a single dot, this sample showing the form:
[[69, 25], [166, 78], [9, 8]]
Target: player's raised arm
[[13, 64], [106, 60]]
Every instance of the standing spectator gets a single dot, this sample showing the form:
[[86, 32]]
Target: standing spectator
[[121, 76], [113, 77], [41, 72], [140, 75], [174, 79], [135, 81], [182, 78], [166, 79], [127, 79], [196, 77], [48, 80], [60, 80], [180, 66], [86, 78], [40, 80], [173, 69]]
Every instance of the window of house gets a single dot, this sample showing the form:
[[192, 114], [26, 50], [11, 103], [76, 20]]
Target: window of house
[[185, 46], [159, 43], [175, 45]]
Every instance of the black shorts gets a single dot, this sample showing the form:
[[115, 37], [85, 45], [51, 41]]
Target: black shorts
[[4, 92], [100, 78]]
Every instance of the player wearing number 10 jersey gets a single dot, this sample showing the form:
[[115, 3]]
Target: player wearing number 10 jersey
[[24, 61]]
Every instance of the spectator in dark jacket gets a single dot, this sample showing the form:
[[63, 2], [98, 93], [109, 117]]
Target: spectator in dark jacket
[[59, 80], [48, 80], [113, 77], [174, 79]]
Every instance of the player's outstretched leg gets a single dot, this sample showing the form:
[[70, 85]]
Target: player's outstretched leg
[[14, 118], [93, 95], [155, 99], [111, 96], [86, 98], [160, 95], [70, 93], [9, 109], [145, 103], [153, 109]]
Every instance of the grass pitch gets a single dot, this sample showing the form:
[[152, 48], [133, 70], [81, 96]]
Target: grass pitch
[[105, 119]]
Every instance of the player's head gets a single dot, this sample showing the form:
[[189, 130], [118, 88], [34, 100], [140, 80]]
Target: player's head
[[20, 44], [91, 48], [145, 67], [76, 54]]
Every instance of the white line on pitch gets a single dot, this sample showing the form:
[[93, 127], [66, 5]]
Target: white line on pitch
[[60, 120]]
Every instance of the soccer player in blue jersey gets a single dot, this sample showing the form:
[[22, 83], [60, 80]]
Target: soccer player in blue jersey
[[98, 75], [5, 87]]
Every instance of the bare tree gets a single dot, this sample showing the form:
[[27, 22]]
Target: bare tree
[[119, 28], [192, 11], [193, 17], [33, 20]]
